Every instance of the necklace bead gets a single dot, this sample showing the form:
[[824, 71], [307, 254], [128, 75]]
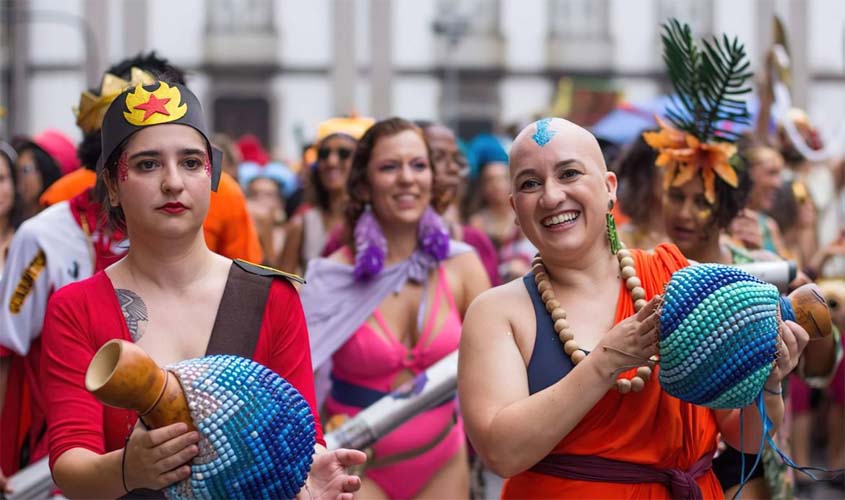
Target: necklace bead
[[558, 313], [561, 325]]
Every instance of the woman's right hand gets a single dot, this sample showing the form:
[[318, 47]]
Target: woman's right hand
[[632, 341], [158, 458]]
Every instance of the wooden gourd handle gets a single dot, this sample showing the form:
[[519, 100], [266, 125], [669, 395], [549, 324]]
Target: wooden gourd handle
[[122, 375], [811, 311]]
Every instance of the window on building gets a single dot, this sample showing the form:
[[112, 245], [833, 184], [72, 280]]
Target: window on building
[[482, 16], [236, 116], [697, 13], [579, 19], [477, 107], [239, 16]]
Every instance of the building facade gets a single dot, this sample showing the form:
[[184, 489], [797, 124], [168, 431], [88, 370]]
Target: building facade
[[277, 68]]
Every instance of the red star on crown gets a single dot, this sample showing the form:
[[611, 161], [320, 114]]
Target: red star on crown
[[154, 105]]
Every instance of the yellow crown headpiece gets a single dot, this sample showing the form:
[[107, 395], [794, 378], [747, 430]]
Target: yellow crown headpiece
[[163, 105], [353, 126], [92, 108]]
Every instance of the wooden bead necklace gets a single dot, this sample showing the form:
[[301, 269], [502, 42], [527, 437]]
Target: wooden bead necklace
[[561, 326]]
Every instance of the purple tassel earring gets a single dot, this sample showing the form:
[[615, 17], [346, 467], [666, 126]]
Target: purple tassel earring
[[370, 246], [433, 235]]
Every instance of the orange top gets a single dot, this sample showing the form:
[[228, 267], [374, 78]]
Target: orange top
[[68, 186], [228, 227], [649, 427]]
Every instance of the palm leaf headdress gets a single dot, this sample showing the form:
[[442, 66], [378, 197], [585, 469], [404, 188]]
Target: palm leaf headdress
[[709, 82]]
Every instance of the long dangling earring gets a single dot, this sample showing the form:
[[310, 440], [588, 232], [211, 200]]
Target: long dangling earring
[[433, 235], [370, 246], [612, 236]]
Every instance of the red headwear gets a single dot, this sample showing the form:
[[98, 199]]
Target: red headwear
[[60, 149]]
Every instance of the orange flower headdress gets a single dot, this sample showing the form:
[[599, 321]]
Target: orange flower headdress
[[707, 83]]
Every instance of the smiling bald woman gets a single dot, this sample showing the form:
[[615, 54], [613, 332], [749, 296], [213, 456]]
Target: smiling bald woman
[[553, 419]]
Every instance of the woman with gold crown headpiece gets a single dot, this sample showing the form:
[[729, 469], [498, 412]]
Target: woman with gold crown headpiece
[[174, 298]]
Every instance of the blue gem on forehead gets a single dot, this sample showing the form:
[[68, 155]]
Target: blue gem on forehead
[[543, 135]]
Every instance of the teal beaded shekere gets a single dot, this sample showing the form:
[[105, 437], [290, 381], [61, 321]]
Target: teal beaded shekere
[[718, 335], [256, 430]]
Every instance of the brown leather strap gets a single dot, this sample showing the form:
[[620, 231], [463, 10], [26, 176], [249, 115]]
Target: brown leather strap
[[238, 321], [236, 328]]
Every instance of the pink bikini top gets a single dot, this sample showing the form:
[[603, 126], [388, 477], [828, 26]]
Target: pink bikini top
[[369, 359]]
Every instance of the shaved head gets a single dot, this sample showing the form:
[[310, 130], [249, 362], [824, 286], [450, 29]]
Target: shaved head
[[558, 137], [556, 169]]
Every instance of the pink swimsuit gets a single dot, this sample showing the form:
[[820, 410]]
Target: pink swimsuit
[[371, 362]]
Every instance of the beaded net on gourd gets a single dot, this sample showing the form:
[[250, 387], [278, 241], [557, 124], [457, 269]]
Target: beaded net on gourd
[[256, 430], [718, 336]]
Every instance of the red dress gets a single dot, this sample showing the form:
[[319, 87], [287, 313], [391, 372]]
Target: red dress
[[83, 316], [649, 427]]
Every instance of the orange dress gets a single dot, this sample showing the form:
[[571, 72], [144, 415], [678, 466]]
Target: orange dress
[[228, 228], [649, 427]]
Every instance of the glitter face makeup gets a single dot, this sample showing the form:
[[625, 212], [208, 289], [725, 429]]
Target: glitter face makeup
[[123, 168], [704, 215], [207, 166]]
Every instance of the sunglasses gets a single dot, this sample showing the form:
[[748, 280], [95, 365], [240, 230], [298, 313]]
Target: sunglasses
[[342, 153]]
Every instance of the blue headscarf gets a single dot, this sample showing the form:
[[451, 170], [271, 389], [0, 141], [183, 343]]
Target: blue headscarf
[[484, 149]]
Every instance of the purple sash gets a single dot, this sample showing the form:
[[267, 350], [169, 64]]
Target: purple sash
[[681, 484]]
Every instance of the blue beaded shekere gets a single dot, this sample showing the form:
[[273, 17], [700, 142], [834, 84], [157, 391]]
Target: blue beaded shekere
[[256, 430], [718, 336]]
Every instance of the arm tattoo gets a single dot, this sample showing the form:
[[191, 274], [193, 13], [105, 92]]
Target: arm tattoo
[[134, 312]]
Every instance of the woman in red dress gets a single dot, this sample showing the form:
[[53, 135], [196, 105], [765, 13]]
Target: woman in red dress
[[170, 295]]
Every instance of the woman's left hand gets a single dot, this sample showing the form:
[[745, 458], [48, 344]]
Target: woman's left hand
[[793, 340], [329, 480]]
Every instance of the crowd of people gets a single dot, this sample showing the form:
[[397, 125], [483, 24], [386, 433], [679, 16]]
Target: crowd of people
[[413, 243]]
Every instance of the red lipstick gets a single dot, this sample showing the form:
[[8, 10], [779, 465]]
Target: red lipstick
[[173, 207]]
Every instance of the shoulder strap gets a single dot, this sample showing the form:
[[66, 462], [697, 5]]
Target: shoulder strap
[[548, 362], [238, 321], [260, 270], [236, 327]]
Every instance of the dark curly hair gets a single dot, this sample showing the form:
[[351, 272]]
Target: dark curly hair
[[730, 200], [636, 172], [358, 182]]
